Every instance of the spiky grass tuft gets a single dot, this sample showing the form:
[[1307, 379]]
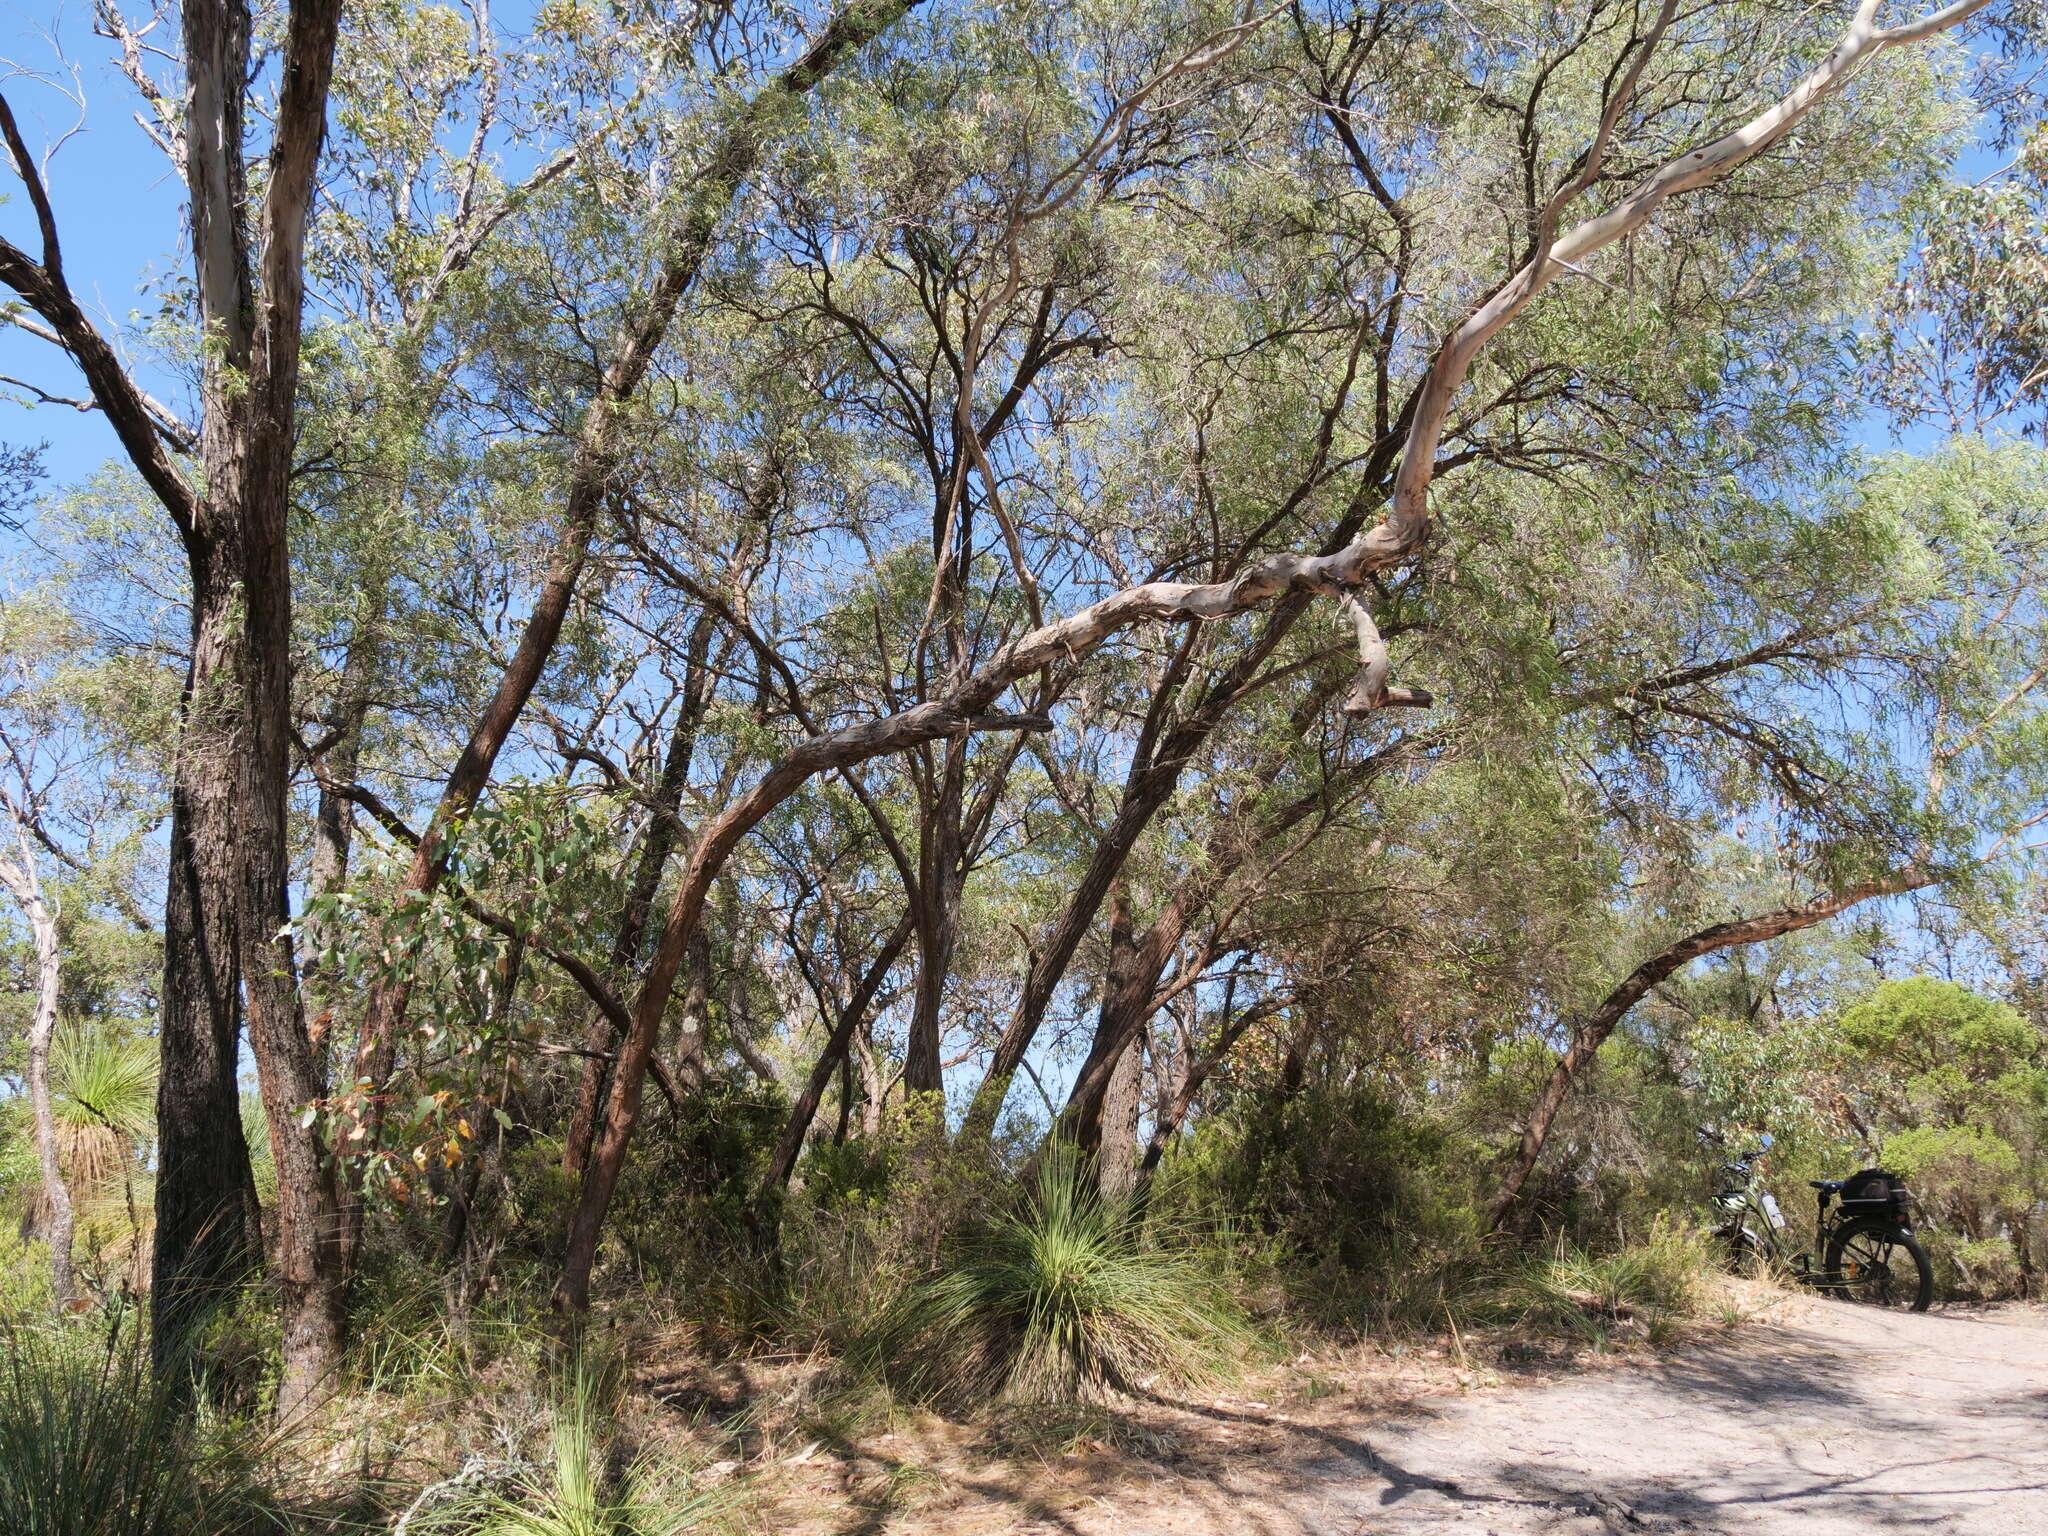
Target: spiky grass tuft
[[1066, 1298], [577, 1491], [89, 1447], [1650, 1286]]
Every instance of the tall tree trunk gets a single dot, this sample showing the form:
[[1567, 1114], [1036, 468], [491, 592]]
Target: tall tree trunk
[[1593, 1031], [462, 1201], [233, 763], [873, 1086], [23, 885], [1127, 983], [941, 880], [341, 761], [205, 1239]]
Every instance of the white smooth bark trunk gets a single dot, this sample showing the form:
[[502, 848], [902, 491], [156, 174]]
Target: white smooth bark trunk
[[22, 883]]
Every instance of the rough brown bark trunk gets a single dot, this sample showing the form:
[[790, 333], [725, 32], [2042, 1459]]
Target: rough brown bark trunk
[[334, 816], [1597, 1026], [1139, 962], [233, 763], [1116, 1157], [937, 900], [1127, 983], [205, 1239], [873, 1087]]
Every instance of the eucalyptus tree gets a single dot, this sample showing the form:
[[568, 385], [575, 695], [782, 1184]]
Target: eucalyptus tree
[[1909, 758], [1636, 110]]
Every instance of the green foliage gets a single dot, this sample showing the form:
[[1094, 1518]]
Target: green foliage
[[1070, 1296], [1695, 652], [100, 1077], [1947, 1041], [1361, 1207], [1930, 1078], [1967, 341]]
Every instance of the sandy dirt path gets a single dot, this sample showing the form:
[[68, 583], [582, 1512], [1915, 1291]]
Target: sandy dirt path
[[1825, 1420], [1833, 1420]]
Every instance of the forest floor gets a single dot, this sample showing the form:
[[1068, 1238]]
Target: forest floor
[[1812, 1416]]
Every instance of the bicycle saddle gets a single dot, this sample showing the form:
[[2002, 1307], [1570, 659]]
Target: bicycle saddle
[[1826, 1186]]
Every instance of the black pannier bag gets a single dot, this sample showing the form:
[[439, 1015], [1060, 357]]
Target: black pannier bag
[[1874, 1192]]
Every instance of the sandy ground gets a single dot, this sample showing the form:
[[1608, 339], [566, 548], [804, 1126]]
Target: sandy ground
[[1840, 1420], [1826, 1420]]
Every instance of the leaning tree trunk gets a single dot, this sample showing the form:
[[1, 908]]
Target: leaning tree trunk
[[21, 882], [1138, 961], [788, 1146]]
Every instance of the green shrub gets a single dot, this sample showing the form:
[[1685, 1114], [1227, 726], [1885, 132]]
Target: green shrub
[[1360, 1214], [1069, 1296]]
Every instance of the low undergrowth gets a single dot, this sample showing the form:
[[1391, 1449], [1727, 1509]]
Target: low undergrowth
[[1041, 1322], [585, 1483], [1644, 1290]]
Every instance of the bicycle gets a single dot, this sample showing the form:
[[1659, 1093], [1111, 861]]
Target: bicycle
[[1871, 1253]]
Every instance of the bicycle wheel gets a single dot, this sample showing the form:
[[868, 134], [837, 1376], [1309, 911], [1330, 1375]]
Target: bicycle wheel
[[1874, 1262]]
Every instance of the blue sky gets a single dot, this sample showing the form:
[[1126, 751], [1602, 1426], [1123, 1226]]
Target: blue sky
[[118, 206]]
